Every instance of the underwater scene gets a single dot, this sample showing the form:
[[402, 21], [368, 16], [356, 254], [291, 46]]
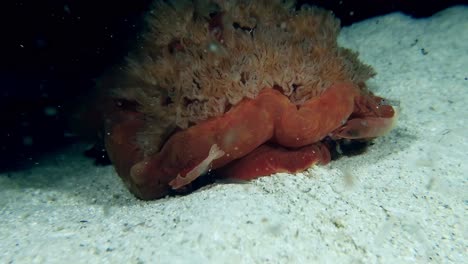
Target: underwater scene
[[235, 131]]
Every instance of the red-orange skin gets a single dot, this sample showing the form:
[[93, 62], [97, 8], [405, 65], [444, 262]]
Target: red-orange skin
[[244, 133]]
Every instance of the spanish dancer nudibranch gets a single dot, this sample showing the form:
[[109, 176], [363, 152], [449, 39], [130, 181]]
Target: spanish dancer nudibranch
[[241, 88]]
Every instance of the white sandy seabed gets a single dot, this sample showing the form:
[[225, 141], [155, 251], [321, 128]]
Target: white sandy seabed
[[404, 201]]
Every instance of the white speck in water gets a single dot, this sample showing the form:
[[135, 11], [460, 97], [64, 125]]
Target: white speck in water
[[213, 47], [66, 8], [27, 141], [67, 134], [50, 111]]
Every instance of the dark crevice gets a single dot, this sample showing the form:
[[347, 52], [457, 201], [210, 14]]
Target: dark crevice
[[175, 46], [249, 30], [278, 88], [166, 101], [215, 26]]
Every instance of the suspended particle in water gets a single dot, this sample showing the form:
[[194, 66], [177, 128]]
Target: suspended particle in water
[[50, 111], [27, 141]]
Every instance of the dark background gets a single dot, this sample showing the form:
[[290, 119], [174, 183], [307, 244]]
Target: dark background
[[53, 50]]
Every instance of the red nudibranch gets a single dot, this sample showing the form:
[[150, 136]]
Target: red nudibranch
[[241, 88]]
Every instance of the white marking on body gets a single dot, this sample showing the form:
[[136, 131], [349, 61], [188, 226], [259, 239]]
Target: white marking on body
[[201, 168]]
